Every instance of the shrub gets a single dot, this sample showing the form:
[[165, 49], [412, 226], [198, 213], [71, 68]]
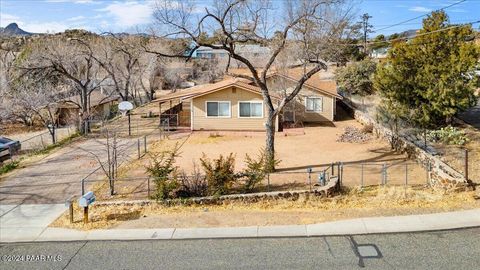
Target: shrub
[[219, 173], [194, 185], [163, 171], [255, 171], [448, 135]]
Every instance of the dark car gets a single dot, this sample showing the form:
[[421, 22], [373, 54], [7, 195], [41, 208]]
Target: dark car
[[8, 147]]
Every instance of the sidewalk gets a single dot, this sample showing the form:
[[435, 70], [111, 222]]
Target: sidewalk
[[414, 223]]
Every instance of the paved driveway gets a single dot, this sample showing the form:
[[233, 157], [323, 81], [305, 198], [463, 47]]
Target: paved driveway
[[56, 177], [472, 116]]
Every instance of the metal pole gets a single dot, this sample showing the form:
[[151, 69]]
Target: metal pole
[[145, 144], [129, 126], [406, 174], [466, 164], [148, 187], [138, 147], [268, 182], [83, 186], [427, 170], [310, 180]]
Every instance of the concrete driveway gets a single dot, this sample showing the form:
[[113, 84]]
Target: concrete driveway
[[56, 177], [33, 197], [472, 116]]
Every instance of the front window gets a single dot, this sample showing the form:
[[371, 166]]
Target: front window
[[250, 109], [313, 104], [218, 109]]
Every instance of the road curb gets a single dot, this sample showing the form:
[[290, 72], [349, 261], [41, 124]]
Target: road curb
[[372, 225]]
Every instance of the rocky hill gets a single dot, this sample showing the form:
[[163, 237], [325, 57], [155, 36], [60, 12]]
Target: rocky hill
[[13, 30]]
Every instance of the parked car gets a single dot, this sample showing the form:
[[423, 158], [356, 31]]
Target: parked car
[[8, 147]]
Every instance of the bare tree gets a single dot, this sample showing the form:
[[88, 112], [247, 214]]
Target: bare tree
[[123, 59], [311, 26], [33, 100], [68, 62]]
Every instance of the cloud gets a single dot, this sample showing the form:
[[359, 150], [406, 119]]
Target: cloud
[[420, 9], [6, 19], [128, 14], [73, 1], [76, 18]]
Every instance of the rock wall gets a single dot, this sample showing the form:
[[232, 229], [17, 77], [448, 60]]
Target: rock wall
[[328, 190], [440, 174]]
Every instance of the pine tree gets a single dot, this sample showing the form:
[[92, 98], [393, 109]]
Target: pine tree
[[430, 78]]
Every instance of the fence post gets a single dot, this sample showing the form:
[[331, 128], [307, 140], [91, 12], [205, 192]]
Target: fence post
[[427, 170], [406, 174], [268, 182], [138, 148], [83, 186], [341, 174], [148, 187], [309, 171], [466, 164], [331, 165], [384, 180], [145, 144]]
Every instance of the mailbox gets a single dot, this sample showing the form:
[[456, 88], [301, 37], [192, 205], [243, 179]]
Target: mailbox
[[86, 199]]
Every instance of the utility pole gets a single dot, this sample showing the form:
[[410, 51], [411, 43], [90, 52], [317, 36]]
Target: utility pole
[[367, 28]]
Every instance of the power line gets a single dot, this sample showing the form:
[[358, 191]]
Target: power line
[[418, 17]]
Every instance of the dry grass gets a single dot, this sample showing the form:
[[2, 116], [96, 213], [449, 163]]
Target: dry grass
[[371, 201]]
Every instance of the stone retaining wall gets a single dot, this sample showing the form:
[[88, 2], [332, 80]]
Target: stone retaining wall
[[440, 174], [328, 190]]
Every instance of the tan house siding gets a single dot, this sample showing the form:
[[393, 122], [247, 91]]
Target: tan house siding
[[233, 95], [327, 114]]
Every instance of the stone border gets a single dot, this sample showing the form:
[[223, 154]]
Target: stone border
[[329, 189]]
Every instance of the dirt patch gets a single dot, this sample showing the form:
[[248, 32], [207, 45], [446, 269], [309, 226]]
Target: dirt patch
[[372, 201]]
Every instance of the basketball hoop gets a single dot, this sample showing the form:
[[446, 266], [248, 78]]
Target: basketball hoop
[[124, 107]]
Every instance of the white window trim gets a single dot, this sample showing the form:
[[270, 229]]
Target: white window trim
[[224, 101], [250, 101], [316, 97]]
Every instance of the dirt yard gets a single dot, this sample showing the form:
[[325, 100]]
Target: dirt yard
[[316, 148], [373, 201]]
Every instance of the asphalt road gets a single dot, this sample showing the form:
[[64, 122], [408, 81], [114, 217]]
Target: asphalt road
[[458, 249]]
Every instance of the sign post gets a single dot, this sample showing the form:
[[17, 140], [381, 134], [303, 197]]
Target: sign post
[[69, 204], [84, 202]]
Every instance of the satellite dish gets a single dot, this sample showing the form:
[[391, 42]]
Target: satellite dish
[[124, 107]]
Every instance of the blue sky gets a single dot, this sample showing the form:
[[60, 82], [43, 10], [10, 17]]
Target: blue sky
[[116, 16]]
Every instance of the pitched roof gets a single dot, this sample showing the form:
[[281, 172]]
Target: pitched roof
[[205, 89], [315, 82], [96, 98]]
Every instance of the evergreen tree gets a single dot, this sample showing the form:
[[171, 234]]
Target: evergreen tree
[[430, 78]]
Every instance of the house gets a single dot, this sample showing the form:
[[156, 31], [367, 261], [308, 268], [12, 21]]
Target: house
[[101, 107], [237, 104]]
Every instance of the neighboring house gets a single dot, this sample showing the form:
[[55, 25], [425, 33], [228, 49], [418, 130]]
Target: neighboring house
[[252, 50], [236, 104], [380, 54], [101, 106]]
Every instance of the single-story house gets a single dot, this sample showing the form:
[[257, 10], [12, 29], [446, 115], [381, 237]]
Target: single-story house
[[101, 107], [237, 104]]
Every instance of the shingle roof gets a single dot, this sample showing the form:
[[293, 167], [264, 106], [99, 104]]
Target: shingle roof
[[294, 74], [204, 89]]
